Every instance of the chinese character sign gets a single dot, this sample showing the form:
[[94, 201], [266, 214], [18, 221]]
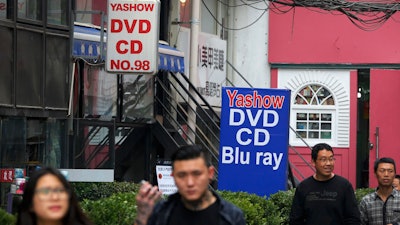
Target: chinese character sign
[[7, 175], [212, 68], [253, 153]]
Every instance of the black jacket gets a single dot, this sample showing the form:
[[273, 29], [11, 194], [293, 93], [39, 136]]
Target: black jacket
[[229, 213]]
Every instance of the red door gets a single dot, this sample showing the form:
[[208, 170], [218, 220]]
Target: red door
[[384, 118]]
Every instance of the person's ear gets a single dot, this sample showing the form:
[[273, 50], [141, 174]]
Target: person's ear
[[211, 172]]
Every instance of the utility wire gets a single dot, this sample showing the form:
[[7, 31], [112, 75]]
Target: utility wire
[[365, 14], [228, 28]]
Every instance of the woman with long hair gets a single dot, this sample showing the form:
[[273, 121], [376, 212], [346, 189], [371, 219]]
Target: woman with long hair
[[48, 199]]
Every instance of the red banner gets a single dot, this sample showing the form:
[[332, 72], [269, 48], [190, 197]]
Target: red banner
[[7, 175]]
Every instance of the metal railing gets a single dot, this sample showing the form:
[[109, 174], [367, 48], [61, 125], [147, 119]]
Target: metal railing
[[174, 105]]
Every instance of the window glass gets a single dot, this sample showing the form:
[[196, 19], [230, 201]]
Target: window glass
[[55, 136], [30, 68], [314, 95], [101, 92], [12, 139], [3, 9], [57, 12], [6, 65], [313, 126], [7, 9], [57, 55], [137, 97], [314, 113], [30, 9]]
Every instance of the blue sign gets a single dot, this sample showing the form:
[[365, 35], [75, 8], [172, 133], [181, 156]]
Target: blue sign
[[253, 153]]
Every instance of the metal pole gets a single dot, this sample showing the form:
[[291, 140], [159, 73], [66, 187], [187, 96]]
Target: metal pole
[[193, 68]]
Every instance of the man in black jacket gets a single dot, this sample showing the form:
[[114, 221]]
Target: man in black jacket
[[194, 203], [324, 198]]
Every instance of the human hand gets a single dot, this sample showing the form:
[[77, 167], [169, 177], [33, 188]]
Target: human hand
[[145, 201]]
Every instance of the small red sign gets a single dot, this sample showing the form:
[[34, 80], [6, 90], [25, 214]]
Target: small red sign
[[7, 175]]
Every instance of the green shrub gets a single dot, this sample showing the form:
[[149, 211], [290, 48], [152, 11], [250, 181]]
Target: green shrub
[[283, 201], [109, 204], [6, 218], [361, 192], [95, 191], [257, 210], [118, 209]]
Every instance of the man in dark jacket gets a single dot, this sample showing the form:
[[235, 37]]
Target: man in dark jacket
[[195, 203], [324, 198]]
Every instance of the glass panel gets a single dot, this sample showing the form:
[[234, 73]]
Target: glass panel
[[138, 97], [314, 95], [57, 12], [55, 137], [85, 6], [13, 142], [326, 135], [35, 141], [313, 134], [301, 116], [301, 125], [30, 9], [100, 93], [314, 126], [6, 65], [57, 58], [6, 9], [326, 126], [302, 134], [326, 117], [30, 68], [300, 101], [313, 116], [328, 101]]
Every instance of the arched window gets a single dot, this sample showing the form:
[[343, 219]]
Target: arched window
[[320, 105], [314, 109], [314, 95]]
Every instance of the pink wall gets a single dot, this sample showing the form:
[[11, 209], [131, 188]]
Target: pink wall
[[384, 114], [305, 36]]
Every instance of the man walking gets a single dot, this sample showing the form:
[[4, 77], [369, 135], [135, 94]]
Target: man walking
[[383, 205], [195, 203], [324, 198]]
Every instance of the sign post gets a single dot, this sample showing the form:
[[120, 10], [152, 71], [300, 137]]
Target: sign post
[[132, 36], [254, 140]]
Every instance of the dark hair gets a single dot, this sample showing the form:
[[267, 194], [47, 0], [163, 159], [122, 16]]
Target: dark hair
[[26, 216], [187, 152], [384, 160], [397, 176], [319, 147]]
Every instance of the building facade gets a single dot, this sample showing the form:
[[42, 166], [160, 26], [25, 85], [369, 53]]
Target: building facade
[[341, 77], [35, 72]]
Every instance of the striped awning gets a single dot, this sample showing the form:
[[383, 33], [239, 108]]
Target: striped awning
[[87, 45]]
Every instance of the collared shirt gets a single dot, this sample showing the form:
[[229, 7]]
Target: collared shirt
[[374, 211]]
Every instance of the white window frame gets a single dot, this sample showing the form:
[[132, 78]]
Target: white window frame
[[309, 110], [338, 83]]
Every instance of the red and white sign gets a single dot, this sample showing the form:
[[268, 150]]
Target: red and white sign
[[7, 175], [132, 36], [165, 181]]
